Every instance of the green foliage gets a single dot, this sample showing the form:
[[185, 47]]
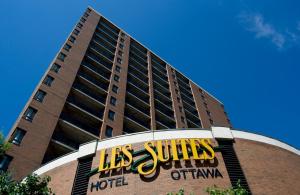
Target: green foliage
[[180, 192], [238, 190], [31, 185], [4, 145], [6, 183]]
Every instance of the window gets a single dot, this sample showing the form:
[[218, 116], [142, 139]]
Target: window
[[55, 67], [113, 101], [88, 10], [17, 136], [39, 96], [208, 113], [115, 88], [79, 25], [82, 20], [61, 56], [116, 78], [108, 131], [173, 75], [4, 162], [29, 114], [121, 46], [120, 53], [86, 15], [176, 91], [67, 47], [118, 68], [182, 119], [178, 99], [175, 83], [205, 104], [180, 109], [122, 40], [211, 121], [72, 39], [119, 60], [123, 34], [111, 115], [48, 80], [76, 32]]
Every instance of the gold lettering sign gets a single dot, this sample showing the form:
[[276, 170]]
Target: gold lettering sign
[[157, 151]]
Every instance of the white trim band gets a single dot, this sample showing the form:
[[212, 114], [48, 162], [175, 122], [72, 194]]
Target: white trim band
[[225, 133]]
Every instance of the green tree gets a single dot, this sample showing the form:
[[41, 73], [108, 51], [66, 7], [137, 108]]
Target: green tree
[[238, 190], [4, 145], [180, 192], [31, 185]]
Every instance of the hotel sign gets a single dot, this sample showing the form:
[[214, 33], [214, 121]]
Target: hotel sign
[[153, 153]]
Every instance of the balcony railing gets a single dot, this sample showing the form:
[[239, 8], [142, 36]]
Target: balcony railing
[[93, 130], [59, 136]]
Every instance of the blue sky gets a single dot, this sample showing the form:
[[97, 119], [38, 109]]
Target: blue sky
[[246, 53]]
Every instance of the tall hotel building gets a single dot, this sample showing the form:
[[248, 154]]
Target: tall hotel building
[[103, 84]]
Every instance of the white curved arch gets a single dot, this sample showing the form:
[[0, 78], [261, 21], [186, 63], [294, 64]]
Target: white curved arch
[[92, 147]]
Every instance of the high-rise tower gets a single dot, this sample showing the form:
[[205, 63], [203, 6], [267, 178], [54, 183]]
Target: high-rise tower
[[104, 83]]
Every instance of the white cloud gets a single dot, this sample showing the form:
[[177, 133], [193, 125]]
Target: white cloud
[[255, 23]]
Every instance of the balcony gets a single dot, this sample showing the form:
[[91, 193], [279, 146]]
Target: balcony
[[138, 46], [92, 83], [162, 82], [138, 73], [159, 73], [97, 113], [192, 124], [100, 38], [162, 98], [99, 58], [163, 108], [94, 106], [61, 138], [91, 62], [108, 30], [160, 126], [80, 124], [137, 116], [130, 125], [161, 88], [137, 103], [138, 82], [182, 78], [138, 56], [109, 26], [136, 50], [107, 36], [102, 50], [185, 92], [91, 91], [187, 99], [97, 78], [107, 46], [190, 108], [138, 92], [103, 72], [165, 120], [132, 59]]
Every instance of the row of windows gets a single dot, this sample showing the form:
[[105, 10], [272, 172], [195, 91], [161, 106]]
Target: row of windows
[[115, 88], [40, 94], [18, 135], [211, 121]]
